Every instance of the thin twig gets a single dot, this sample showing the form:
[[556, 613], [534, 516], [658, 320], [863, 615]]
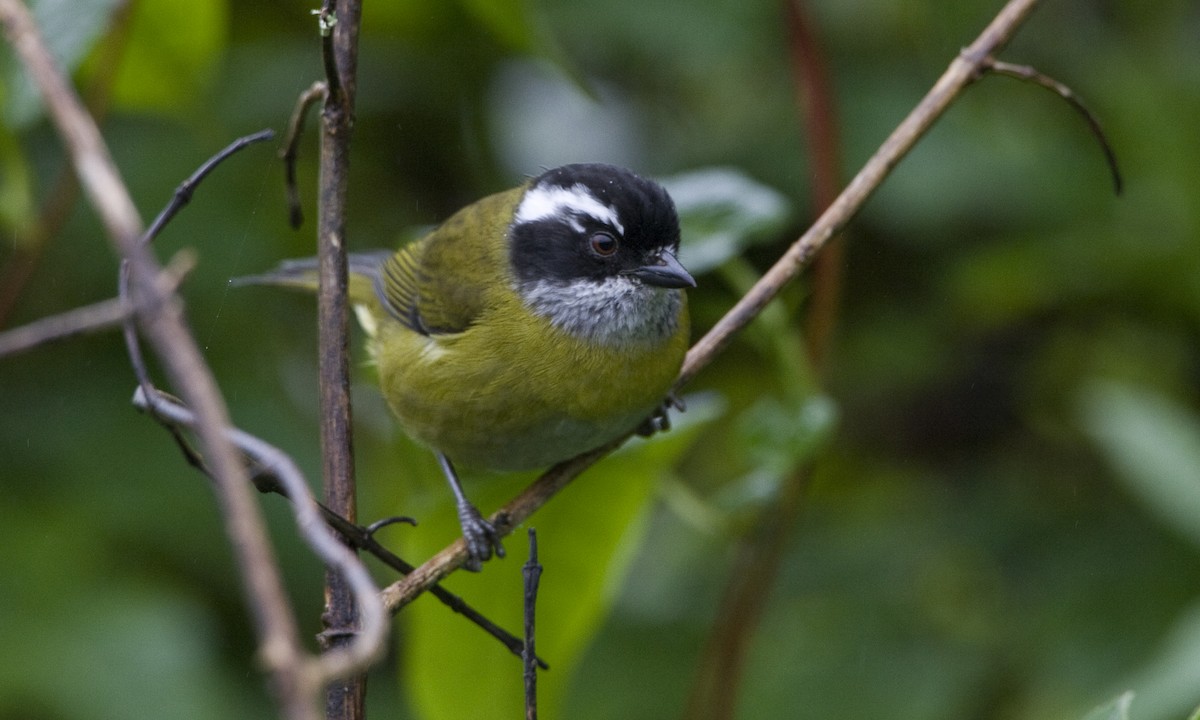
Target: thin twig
[[532, 572], [368, 643], [89, 318], [183, 193], [952, 82], [364, 539], [86, 319], [1032, 74], [357, 536], [291, 149]]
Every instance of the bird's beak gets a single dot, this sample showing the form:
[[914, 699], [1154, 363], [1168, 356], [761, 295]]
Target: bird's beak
[[666, 272]]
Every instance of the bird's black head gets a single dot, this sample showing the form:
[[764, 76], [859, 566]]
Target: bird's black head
[[594, 222]]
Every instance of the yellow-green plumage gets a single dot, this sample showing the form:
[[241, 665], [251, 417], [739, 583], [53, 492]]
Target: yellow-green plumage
[[531, 326], [505, 389]]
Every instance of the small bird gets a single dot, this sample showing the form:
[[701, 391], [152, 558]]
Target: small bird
[[533, 325]]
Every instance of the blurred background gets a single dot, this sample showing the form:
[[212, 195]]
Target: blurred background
[[954, 473]]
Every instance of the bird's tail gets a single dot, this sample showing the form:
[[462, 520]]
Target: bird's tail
[[301, 274]]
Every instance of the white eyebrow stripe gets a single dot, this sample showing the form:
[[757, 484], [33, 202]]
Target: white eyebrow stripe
[[543, 202]]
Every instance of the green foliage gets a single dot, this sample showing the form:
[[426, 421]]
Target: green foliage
[[70, 28], [1001, 516], [1154, 445], [172, 54]]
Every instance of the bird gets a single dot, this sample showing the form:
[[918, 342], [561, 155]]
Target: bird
[[531, 326]]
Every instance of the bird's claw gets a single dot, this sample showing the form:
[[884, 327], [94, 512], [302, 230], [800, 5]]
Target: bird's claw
[[660, 420], [481, 537]]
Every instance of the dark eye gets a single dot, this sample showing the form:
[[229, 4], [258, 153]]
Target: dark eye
[[603, 244]]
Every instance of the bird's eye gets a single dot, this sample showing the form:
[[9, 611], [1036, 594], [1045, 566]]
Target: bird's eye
[[603, 244]]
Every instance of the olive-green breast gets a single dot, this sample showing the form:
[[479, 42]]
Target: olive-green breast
[[512, 392]]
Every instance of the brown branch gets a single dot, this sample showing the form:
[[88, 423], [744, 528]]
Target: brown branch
[[364, 539], [160, 317], [517, 511], [948, 87], [958, 75], [815, 99]]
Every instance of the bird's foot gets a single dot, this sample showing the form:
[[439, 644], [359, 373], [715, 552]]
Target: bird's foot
[[482, 538], [660, 420]]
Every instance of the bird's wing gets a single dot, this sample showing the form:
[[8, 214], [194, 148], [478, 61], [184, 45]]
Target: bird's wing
[[441, 283]]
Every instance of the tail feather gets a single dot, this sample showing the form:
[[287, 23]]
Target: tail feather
[[301, 274]]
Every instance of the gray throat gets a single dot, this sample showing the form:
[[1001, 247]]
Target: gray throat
[[615, 312]]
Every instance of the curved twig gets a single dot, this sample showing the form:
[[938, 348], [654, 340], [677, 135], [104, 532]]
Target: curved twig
[[1031, 74], [291, 149], [368, 643]]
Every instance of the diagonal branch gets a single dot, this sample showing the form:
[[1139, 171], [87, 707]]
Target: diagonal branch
[[961, 72]]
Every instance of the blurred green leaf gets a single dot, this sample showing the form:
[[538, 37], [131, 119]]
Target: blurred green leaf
[[70, 28], [509, 20], [1154, 445], [586, 539], [1169, 684], [722, 212], [1115, 709], [172, 54], [779, 438]]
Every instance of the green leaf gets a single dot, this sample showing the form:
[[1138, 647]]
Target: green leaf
[[1115, 709], [586, 539], [779, 436], [70, 29], [1154, 445], [510, 21], [172, 55], [1169, 683], [723, 212]]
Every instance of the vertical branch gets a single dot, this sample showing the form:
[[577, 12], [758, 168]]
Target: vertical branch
[[532, 572], [339, 21], [759, 555], [816, 101]]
